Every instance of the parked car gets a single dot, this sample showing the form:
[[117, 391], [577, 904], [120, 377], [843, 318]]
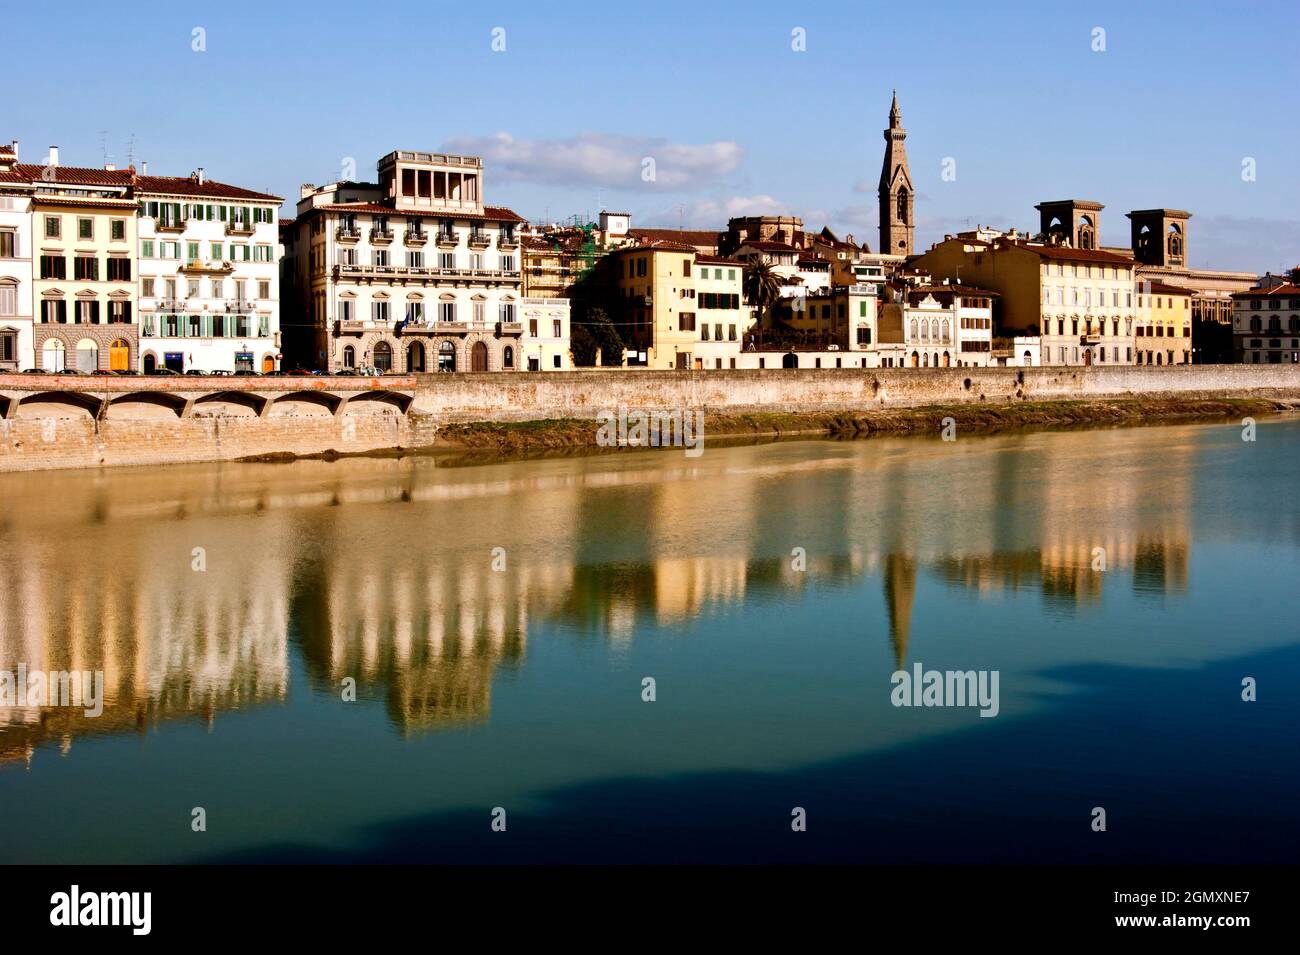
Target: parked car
[[222, 373], [101, 371], [196, 373], [246, 373], [164, 372], [126, 371], [33, 371], [345, 373], [68, 371]]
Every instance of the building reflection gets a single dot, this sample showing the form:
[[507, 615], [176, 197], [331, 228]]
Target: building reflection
[[425, 584]]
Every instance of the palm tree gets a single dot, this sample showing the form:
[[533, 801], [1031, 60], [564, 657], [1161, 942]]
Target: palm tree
[[762, 288]]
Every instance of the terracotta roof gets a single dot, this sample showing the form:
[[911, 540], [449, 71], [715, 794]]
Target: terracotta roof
[[1285, 291], [690, 236], [716, 259], [1070, 254], [189, 186], [656, 245], [76, 175], [1163, 288], [963, 289], [490, 213]]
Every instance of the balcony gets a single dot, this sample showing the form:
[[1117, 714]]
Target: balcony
[[166, 225], [239, 306], [507, 242], [347, 233], [170, 305], [239, 227], [425, 273], [479, 240], [510, 328], [381, 236], [447, 240], [200, 267], [416, 238]]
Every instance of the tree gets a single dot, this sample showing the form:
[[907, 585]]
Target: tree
[[762, 288], [595, 331]]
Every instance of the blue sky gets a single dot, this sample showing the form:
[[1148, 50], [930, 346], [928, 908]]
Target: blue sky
[[736, 120]]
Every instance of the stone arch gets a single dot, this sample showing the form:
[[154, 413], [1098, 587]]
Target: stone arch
[[789, 360], [54, 355], [145, 405], [1087, 232], [58, 404], [87, 355], [508, 355], [446, 355], [478, 356], [310, 404], [378, 401], [228, 404], [381, 356], [149, 361], [415, 358], [349, 356]]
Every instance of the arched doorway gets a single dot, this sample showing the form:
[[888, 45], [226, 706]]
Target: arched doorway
[[383, 357], [1159, 358], [947, 361], [478, 357], [54, 355], [349, 357], [87, 356], [508, 357], [415, 358], [1087, 356], [916, 360], [150, 363], [268, 364], [446, 357], [119, 355], [790, 360]]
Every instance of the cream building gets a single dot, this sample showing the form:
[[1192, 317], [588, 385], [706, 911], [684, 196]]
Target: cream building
[[413, 273], [209, 275], [656, 282], [1266, 323], [15, 264], [545, 345], [722, 317], [84, 252]]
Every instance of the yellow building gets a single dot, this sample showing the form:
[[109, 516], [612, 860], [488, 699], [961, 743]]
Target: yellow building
[[657, 286], [1164, 324], [722, 316], [84, 286], [1079, 300]]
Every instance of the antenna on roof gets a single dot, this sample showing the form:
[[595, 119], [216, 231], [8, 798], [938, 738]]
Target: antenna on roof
[[130, 151]]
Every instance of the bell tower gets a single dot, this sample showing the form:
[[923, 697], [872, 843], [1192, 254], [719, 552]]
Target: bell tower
[[897, 206]]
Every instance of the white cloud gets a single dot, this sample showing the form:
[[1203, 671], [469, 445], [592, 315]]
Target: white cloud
[[603, 159]]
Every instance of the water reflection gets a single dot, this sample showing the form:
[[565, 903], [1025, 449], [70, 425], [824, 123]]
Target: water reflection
[[383, 571]]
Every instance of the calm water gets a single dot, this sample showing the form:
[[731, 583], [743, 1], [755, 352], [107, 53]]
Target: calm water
[[522, 688]]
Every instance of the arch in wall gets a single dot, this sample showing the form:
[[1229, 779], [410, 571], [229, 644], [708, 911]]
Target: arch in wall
[[378, 401], [349, 357], [916, 360], [508, 357], [119, 355], [228, 404], [789, 360], [415, 357], [150, 362], [446, 356], [58, 404], [145, 405], [478, 357], [382, 357], [54, 355], [311, 404]]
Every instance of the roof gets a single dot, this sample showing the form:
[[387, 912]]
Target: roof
[[963, 289], [490, 213], [1071, 254], [75, 175], [656, 245], [1077, 203], [716, 260], [1286, 290], [690, 236], [190, 186], [1164, 288], [765, 246]]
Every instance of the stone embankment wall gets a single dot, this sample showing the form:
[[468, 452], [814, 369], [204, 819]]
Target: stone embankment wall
[[51, 421]]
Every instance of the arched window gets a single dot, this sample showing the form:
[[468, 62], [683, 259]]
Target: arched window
[[383, 354], [446, 357], [508, 357], [902, 206], [349, 357], [150, 363], [415, 358], [945, 330], [914, 334], [934, 329]]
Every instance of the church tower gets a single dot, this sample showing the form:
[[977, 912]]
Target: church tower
[[897, 212]]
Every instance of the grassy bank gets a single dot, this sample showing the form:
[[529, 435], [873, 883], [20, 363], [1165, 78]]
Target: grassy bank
[[558, 433]]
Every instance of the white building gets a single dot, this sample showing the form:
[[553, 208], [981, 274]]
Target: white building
[[209, 275], [545, 345], [16, 349], [410, 274]]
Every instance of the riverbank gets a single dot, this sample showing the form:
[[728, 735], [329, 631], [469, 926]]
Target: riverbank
[[52, 422], [575, 433]]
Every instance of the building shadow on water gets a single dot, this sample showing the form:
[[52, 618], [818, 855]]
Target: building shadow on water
[[1186, 771]]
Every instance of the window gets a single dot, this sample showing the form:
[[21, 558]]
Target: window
[[86, 267], [119, 269], [8, 244], [379, 311], [54, 267], [415, 260], [557, 328], [215, 249], [146, 249], [686, 322], [218, 288], [447, 260], [506, 313], [117, 230], [8, 299], [53, 228], [85, 228], [446, 311]]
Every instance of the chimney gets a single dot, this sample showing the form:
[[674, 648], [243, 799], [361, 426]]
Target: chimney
[[201, 176], [54, 155], [109, 167], [306, 189], [144, 168]]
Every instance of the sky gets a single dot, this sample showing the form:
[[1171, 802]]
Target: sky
[[744, 108]]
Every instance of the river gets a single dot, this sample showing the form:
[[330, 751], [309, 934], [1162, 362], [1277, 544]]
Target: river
[[645, 656]]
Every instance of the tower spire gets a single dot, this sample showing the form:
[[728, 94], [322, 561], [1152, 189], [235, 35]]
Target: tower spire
[[896, 207]]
